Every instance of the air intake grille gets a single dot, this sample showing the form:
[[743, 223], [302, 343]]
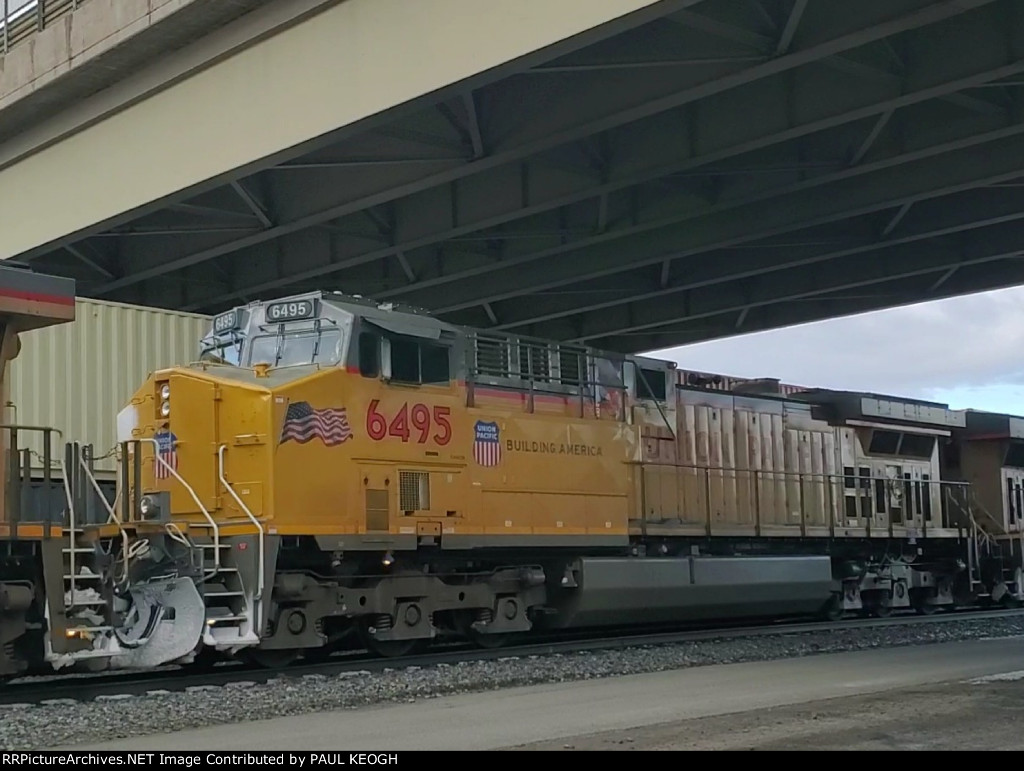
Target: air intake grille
[[414, 490]]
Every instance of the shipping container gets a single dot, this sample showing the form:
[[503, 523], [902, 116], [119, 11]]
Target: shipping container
[[76, 377]]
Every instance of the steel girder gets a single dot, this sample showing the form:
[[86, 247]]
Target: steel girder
[[612, 177]]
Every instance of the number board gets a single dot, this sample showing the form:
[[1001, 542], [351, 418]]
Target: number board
[[225, 322], [293, 310]]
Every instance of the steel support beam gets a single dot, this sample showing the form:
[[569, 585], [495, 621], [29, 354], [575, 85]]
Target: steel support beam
[[82, 257], [799, 6], [888, 188], [536, 182], [257, 209], [979, 278], [973, 210], [899, 262], [93, 178], [582, 112]]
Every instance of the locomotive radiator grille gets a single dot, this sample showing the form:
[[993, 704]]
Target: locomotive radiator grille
[[414, 490]]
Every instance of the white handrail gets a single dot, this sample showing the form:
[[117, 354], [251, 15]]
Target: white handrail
[[111, 516], [71, 523], [255, 521], [212, 522]]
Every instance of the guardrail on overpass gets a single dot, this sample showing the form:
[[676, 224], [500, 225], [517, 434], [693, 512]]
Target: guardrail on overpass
[[20, 19]]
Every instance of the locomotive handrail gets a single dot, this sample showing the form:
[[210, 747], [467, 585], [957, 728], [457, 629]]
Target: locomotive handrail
[[702, 467], [111, 516], [46, 457], [71, 524], [259, 526], [191, 491], [833, 488]]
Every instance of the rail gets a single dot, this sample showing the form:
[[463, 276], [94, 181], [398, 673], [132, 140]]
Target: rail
[[214, 528], [20, 19], [700, 495], [259, 526]]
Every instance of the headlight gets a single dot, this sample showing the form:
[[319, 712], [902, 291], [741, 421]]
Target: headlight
[[165, 391], [146, 505], [165, 409]]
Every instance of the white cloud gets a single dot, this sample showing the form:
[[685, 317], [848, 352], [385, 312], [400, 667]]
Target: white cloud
[[967, 351]]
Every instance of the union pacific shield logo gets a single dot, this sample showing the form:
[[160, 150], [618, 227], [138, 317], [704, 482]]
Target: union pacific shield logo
[[486, 444]]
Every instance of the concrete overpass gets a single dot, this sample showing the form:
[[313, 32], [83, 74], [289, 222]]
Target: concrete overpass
[[630, 173]]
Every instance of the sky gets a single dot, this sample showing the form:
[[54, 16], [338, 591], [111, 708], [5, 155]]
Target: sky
[[967, 352]]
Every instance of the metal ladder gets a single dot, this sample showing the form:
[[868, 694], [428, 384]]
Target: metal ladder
[[983, 544], [83, 601], [232, 611]]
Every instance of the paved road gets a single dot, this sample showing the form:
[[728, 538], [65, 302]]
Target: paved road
[[550, 712]]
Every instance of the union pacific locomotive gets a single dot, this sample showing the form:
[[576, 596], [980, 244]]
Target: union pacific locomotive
[[336, 471]]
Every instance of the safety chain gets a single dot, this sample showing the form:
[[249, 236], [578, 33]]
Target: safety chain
[[111, 453]]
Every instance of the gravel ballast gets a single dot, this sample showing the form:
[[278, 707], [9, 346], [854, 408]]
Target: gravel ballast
[[45, 726]]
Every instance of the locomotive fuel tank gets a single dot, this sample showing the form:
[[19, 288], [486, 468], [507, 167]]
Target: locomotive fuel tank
[[629, 590]]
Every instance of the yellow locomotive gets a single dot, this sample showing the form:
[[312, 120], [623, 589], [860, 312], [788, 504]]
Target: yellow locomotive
[[334, 465]]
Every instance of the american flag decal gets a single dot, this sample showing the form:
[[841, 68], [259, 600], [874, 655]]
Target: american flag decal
[[486, 444], [166, 451], [302, 424]]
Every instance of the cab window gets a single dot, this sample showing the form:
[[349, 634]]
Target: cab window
[[228, 353], [419, 362], [298, 348], [369, 355]]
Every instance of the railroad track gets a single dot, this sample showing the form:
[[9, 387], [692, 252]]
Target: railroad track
[[89, 686]]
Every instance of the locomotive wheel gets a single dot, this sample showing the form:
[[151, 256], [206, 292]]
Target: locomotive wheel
[[318, 655], [464, 628], [273, 659], [833, 609], [336, 641], [206, 658], [489, 641], [919, 601], [388, 649], [881, 610]]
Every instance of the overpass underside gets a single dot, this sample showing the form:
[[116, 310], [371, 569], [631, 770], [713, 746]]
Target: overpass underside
[[686, 171]]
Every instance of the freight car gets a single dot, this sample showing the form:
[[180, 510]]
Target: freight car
[[335, 467]]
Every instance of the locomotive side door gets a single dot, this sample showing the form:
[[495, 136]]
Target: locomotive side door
[[1013, 498], [887, 497], [914, 492], [895, 495]]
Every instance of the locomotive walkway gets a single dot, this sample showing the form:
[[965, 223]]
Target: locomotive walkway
[[628, 173]]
